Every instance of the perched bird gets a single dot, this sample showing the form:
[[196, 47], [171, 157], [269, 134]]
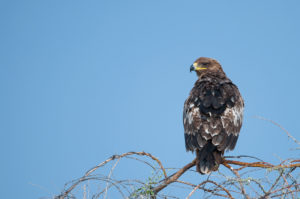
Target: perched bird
[[212, 115]]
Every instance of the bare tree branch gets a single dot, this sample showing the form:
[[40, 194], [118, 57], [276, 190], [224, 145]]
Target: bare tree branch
[[275, 123], [174, 177]]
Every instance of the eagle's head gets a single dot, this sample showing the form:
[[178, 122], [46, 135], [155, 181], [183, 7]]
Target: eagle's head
[[205, 65]]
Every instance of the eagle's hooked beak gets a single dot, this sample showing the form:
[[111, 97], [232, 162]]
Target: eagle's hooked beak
[[195, 67], [192, 68]]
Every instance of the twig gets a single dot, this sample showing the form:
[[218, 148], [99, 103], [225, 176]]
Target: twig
[[274, 196], [145, 162], [239, 177], [259, 185], [243, 156], [202, 188], [286, 187], [65, 193], [260, 164], [174, 177], [275, 123], [114, 183], [274, 184], [110, 173]]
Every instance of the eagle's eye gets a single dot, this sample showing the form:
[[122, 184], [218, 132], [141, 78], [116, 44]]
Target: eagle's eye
[[205, 64]]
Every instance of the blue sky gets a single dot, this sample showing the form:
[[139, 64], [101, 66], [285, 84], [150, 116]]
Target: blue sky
[[81, 81]]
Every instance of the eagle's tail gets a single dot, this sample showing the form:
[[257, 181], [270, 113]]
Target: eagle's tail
[[208, 159]]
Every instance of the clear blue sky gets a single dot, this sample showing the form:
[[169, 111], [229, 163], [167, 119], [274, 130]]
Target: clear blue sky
[[83, 80]]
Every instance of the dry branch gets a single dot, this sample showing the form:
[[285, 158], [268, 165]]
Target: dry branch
[[275, 123], [175, 176]]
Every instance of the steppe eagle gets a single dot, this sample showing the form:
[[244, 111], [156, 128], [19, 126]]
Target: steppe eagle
[[212, 115]]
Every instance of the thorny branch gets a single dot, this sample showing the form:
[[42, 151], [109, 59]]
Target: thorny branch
[[88, 173], [173, 178], [283, 185], [239, 178], [275, 123], [209, 181]]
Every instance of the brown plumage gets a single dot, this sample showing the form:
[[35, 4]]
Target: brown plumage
[[212, 115]]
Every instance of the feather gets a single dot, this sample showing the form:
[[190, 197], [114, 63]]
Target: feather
[[201, 141], [216, 140]]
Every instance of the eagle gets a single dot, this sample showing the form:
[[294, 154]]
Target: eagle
[[212, 115]]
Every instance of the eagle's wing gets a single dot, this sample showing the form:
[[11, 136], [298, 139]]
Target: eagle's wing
[[213, 113]]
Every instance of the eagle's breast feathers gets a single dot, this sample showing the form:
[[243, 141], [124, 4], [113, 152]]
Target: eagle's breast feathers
[[213, 112]]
